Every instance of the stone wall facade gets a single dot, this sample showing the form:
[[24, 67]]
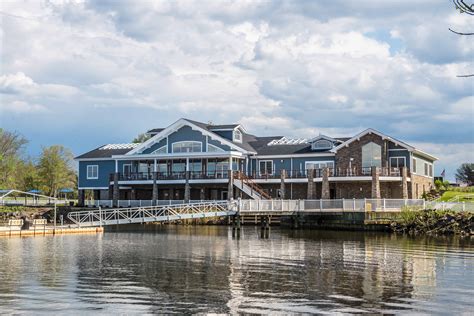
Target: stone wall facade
[[354, 151], [419, 185]]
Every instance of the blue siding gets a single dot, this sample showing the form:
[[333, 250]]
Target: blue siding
[[226, 134], [285, 163], [106, 167], [400, 153], [154, 147], [186, 133], [218, 144]]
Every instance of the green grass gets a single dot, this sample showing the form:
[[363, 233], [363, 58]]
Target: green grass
[[463, 196]]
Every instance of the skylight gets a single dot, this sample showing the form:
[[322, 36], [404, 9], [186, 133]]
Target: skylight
[[288, 141]]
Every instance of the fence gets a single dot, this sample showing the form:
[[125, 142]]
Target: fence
[[137, 203], [31, 202]]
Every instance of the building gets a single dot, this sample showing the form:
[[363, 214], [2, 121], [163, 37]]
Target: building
[[190, 160]]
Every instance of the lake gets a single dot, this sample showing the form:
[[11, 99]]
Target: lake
[[202, 269]]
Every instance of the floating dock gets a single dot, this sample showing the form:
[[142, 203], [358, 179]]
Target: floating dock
[[50, 231]]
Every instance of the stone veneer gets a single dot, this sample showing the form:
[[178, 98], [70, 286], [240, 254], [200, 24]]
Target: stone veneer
[[354, 151], [424, 184]]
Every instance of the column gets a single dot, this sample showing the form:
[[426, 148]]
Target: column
[[80, 197], [154, 194], [133, 194], [202, 194], [404, 183], [116, 192], [230, 188], [375, 183], [187, 189], [325, 192], [311, 187], [282, 184]]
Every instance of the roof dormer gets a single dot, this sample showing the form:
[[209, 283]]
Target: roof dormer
[[323, 142]]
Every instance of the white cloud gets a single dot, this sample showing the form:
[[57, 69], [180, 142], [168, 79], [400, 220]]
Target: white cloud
[[20, 107], [286, 67]]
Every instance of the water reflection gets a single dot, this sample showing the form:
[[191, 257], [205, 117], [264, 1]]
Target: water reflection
[[202, 269]]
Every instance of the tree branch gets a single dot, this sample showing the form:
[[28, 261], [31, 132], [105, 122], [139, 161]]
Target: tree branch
[[459, 33]]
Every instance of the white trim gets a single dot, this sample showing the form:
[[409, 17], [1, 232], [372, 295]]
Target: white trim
[[326, 154], [390, 161], [179, 155], [235, 139], [96, 159], [176, 126], [186, 141], [321, 136], [318, 162], [266, 161], [154, 152], [398, 149], [219, 150], [123, 167], [87, 172]]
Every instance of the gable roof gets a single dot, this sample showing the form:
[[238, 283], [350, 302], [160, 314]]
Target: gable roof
[[384, 136], [108, 150], [202, 127]]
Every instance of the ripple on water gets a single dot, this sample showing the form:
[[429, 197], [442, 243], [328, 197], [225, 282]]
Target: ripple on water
[[203, 270]]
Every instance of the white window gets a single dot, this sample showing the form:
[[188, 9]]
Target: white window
[[187, 147], [213, 149], [161, 150], [318, 165], [413, 162], [397, 162], [371, 155], [426, 169], [127, 169], [92, 172], [431, 171], [265, 167], [237, 136], [321, 144]]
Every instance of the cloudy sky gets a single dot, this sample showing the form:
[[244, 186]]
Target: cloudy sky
[[87, 73]]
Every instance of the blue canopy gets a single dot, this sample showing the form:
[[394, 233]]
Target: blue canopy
[[34, 191], [67, 190]]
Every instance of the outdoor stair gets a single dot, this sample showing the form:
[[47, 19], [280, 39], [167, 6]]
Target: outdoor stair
[[246, 185]]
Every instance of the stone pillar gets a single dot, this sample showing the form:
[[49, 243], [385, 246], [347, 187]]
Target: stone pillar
[[404, 183], [187, 189], [154, 194], [116, 192], [282, 184], [230, 190], [81, 197], [202, 194], [325, 192], [311, 187], [375, 183], [133, 194]]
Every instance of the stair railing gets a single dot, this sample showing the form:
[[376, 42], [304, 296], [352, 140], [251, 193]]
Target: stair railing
[[253, 186]]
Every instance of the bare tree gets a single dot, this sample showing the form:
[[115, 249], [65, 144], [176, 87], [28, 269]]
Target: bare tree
[[463, 7]]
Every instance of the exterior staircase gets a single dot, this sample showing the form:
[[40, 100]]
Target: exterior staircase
[[246, 185]]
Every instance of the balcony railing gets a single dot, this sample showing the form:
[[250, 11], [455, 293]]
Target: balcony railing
[[177, 175], [290, 174]]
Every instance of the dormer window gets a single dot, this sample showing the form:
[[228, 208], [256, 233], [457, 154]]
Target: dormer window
[[237, 136], [322, 144]]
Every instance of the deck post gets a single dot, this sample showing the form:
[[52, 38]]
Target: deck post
[[353, 204], [310, 194], [155, 187], [343, 206], [325, 191], [187, 189], [320, 205], [282, 184], [116, 192]]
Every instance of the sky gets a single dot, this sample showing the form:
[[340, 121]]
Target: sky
[[87, 73]]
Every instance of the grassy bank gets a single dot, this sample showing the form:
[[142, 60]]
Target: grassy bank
[[458, 195], [434, 222]]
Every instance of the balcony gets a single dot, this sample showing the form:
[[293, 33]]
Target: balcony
[[333, 172], [181, 175]]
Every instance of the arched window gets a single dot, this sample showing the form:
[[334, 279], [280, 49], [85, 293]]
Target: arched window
[[161, 150], [321, 144], [371, 155], [187, 147], [237, 136], [213, 149]]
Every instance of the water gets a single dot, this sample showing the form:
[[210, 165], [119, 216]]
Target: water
[[201, 269]]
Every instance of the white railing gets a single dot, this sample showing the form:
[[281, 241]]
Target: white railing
[[31, 202], [135, 203], [347, 205], [146, 214]]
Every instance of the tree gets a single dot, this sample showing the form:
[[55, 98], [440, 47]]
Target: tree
[[463, 7], [55, 169], [141, 138], [27, 176], [11, 146], [465, 173]]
